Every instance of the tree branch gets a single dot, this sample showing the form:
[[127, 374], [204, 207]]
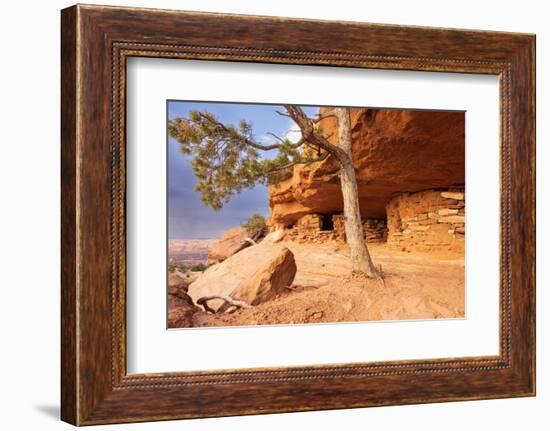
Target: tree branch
[[299, 162], [248, 141], [283, 114], [310, 135], [276, 137], [228, 303]]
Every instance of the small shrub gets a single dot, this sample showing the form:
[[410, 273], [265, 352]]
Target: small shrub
[[180, 266], [187, 266], [255, 226], [199, 267]]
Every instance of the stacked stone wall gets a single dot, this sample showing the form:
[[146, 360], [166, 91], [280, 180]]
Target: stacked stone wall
[[311, 228], [422, 221], [428, 220]]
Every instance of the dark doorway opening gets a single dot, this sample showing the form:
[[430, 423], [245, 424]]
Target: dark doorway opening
[[326, 222]]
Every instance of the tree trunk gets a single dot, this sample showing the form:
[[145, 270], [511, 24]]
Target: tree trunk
[[360, 258], [361, 261]]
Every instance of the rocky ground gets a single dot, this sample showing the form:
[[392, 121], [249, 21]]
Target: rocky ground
[[417, 286]]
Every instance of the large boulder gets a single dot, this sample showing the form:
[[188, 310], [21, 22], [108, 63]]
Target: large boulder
[[181, 308], [231, 242], [394, 151], [252, 276], [177, 280], [276, 236]]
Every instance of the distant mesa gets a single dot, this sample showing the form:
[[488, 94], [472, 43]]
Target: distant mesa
[[189, 251]]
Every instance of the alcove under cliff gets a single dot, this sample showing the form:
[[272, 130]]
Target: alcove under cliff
[[394, 152]]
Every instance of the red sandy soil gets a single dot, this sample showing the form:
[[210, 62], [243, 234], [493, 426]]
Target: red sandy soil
[[417, 286]]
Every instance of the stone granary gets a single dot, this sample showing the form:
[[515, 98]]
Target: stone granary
[[422, 221], [324, 227], [410, 168]]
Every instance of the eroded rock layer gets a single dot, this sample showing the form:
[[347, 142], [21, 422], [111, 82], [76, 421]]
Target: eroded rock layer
[[394, 151]]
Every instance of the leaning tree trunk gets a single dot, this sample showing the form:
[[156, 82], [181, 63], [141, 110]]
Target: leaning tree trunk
[[361, 261]]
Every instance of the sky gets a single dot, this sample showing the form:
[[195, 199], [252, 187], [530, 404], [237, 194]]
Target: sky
[[188, 217]]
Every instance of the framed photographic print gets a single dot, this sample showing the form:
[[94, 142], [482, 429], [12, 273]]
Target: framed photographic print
[[258, 219]]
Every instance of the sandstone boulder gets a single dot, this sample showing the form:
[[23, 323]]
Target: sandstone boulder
[[231, 242], [394, 151], [254, 275], [275, 236], [276, 274], [181, 308], [177, 280]]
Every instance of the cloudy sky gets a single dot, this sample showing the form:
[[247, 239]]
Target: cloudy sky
[[188, 218]]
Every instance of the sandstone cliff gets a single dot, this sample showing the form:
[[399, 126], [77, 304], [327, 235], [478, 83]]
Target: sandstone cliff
[[395, 151]]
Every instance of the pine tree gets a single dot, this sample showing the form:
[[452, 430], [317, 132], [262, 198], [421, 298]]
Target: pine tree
[[227, 159]]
